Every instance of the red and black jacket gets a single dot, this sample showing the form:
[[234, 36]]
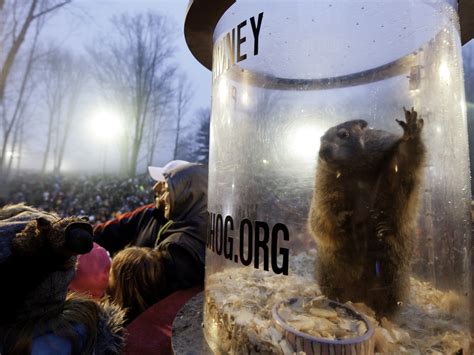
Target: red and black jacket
[[183, 242]]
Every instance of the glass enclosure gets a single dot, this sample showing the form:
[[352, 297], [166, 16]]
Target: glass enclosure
[[325, 183]]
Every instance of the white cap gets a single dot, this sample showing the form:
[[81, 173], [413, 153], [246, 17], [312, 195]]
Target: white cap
[[157, 173]]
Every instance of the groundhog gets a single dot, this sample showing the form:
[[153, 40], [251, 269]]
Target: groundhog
[[363, 211]]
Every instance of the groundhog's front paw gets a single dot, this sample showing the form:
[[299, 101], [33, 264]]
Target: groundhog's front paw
[[413, 125]]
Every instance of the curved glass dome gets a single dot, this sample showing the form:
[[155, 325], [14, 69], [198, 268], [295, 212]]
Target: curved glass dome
[[325, 185]]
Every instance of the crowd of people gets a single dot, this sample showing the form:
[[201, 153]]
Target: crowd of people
[[98, 197]]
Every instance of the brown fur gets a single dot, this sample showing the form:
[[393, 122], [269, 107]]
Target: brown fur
[[37, 260], [363, 212], [103, 323], [40, 235]]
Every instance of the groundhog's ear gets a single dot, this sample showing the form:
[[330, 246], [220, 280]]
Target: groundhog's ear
[[43, 224], [362, 123]]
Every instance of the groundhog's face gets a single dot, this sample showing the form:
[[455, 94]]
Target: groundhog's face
[[342, 143]]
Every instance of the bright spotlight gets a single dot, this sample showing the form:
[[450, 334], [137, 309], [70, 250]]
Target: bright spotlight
[[444, 73], [223, 91], [12, 155], [303, 141], [106, 124], [245, 98]]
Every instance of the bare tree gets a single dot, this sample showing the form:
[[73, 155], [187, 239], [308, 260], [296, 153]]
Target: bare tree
[[16, 146], [13, 107], [134, 68], [202, 136], [160, 118], [64, 79], [184, 95], [19, 151], [186, 146], [76, 80], [468, 61], [18, 17], [193, 143], [161, 113]]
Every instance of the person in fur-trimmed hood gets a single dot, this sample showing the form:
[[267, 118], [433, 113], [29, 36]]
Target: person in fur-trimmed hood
[[37, 262], [175, 224]]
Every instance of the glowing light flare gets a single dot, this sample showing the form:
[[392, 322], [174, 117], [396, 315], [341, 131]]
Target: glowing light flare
[[303, 141], [444, 73], [68, 166], [463, 106], [222, 90], [414, 92], [106, 124], [245, 98], [11, 154]]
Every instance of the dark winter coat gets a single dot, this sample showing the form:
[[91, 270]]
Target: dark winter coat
[[183, 242], [110, 340]]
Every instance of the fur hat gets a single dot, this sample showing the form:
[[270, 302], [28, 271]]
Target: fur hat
[[37, 262]]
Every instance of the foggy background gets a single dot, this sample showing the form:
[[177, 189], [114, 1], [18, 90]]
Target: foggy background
[[99, 86], [74, 98]]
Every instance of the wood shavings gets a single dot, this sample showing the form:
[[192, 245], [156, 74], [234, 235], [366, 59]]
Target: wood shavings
[[238, 317], [322, 319]]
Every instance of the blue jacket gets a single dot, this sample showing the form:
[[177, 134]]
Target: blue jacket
[[52, 344]]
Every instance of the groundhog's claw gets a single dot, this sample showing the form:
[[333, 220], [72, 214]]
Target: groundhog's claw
[[413, 125]]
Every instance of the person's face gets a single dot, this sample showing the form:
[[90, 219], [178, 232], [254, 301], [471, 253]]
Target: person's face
[[162, 197]]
